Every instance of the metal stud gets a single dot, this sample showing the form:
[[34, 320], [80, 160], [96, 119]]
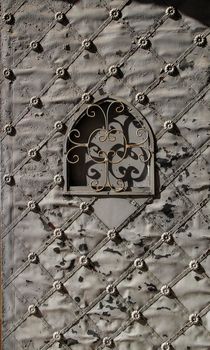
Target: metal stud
[[8, 179], [139, 263], [143, 42], [200, 40], [58, 233], [166, 346], [8, 18], [110, 289], [107, 341], [84, 207], [57, 336], [32, 205], [194, 265], [8, 129], [7, 73], [115, 13], [34, 45], [57, 285], [59, 16], [170, 69], [58, 179], [32, 153], [60, 72], [165, 290], [84, 261], [171, 11], [58, 125], [32, 309], [86, 97], [86, 44], [32, 257], [34, 101], [141, 98], [136, 315], [168, 125], [166, 237], [111, 234], [113, 70], [194, 319]]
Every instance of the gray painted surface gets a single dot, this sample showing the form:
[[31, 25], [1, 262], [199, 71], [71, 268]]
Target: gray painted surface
[[83, 310]]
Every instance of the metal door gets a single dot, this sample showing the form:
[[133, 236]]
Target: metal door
[[105, 175]]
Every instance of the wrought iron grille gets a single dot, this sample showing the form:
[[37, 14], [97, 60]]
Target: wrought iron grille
[[110, 149]]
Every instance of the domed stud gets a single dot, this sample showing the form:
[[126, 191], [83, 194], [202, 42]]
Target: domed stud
[[165, 290], [8, 18], [8, 179], [57, 285], [168, 125], [58, 126], [7, 72], [32, 309], [115, 14], [113, 71], [32, 257], [58, 233], [136, 315], [194, 319], [60, 72], [200, 40], [8, 129], [171, 11], [34, 45], [86, 97], [112, 234], [166, 346], [58, 179], [32, 153], [87, 44], [84, 260], [59, 16], [34, 101], [139, 263], [32, 205], [141, 98], [107, 341], [57, 336], [170, 69], [110, 289], [194, 265], [143, 42], [166, 237], [84, 207]]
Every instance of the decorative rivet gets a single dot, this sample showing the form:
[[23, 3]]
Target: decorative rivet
[[165, 290], [107, 341], [141, 98], [34, 45], [32, 257], [32, 153], [166, 237], [32, 309], [7, 18], [84, 207], [200, 40], [194, 265], [194, 319], [143, 42], [86, 97], [58, 233], [168, 125], [57, 285], [8, 129], [136, 315], [7, 179], [171, 11], [110, 289], [58, 125], [115, 13], [34, 101], [7, 73], [139, 263], [32, 205], [59, 16], [57, 336], [86, 44], [58, 179], [60, 72], [83, 260], [112, 234], [170, 69], [113, 70], [166, 346]]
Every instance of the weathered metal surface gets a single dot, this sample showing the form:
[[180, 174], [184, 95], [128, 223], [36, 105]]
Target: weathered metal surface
[[86, 273]]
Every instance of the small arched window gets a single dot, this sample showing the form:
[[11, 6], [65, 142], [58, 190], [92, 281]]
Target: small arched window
[[109, 150]]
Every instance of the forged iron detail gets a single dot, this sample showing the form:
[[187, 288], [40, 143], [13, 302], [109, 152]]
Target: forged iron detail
[[170, 69], [8, 179], [60, 72], [32, 309], [115, 14], [59, 16], [84, 207], [200, 40], [107, 341], [110, 289], [34, 101], [34, 45], [113, 138], [8, 129], [194, 319], [87, 44], [32, 153], [32, 205], [166, 346], [32, 257], [136, 315], [143, 42], [139, 263], [112, 234], [58, 125], [84, 260], [7, 18], [57, 336], [166, 237], [57, 285], [7, 73], [171, 11], [194, 265], [58, 233], [141, 98], [86, 97], [58, 179], [113, 70], [165, 290], [168, 125]]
